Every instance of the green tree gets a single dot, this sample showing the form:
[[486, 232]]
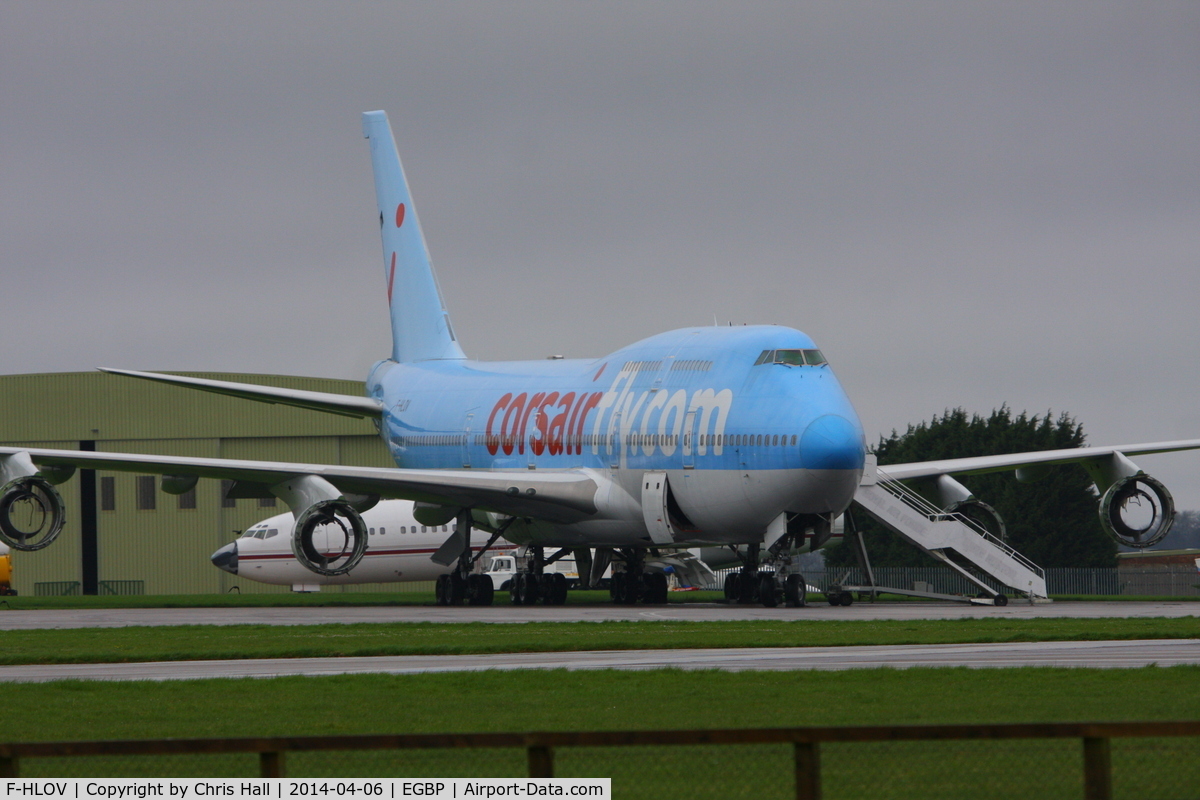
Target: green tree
[[1053, 521]]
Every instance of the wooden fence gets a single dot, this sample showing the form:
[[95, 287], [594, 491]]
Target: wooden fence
[[1096, 762]]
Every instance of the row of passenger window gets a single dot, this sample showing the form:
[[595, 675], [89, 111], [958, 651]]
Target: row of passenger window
[[438, 440], [263, 532], [711, 440]]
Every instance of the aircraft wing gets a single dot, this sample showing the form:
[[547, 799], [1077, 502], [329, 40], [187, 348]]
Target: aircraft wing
[[979, 465], [566, 496], [346, 405]]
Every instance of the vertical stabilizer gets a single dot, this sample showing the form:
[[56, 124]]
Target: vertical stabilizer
[[421, 327]]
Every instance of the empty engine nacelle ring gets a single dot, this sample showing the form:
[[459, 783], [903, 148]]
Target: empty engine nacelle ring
[[1137, 489], [353, 532], [32, 513]]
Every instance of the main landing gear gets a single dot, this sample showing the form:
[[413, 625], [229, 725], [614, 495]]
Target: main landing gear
[[462, 584], [534, 583], [634, 584]]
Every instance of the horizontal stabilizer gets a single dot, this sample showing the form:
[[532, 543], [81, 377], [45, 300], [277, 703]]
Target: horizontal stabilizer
[[346, 405]]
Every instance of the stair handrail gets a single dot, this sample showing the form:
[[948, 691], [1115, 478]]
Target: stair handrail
[[927, 509]]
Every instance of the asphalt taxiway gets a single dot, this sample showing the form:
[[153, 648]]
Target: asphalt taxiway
[[19, 619], [1138, 653]]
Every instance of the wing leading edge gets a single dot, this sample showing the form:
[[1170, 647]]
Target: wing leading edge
[[346, 405], [560, 497], [979, 465]]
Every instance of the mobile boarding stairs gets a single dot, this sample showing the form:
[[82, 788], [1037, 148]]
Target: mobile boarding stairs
[[950, 537]]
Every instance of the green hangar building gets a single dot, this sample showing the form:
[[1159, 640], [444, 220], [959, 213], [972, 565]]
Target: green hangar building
[[123, 534]]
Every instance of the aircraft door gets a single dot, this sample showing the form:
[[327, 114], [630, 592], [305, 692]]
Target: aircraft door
[[614, 441], [466, 441], [654, 507], [689, 440]]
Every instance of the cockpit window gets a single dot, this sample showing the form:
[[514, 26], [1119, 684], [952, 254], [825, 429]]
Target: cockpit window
[[272, 532], [261, 533], [792, 358]]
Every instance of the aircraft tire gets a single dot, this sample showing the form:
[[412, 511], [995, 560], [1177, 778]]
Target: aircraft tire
[[656, 588], [767, 590], [554, 589], [515, 592], [731, 587], [529, 589], [635, 588], [441, 591], [747, 589], [480, 591], [456, 589], [794, 591], [616, 588]]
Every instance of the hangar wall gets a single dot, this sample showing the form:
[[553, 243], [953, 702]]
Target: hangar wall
[[167, 547]]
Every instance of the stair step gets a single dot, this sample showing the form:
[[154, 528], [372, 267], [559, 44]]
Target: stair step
[[936, 532]]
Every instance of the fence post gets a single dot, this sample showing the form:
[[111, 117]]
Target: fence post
[[10, 767], [270, 764], [541, 761], [1097, 768], [808, 771]]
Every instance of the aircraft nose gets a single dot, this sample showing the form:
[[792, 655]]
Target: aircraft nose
[[227, 558], [832, 442]]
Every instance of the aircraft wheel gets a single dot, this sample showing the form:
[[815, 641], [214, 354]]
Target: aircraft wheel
[[516, 589], [766, 590], [441, 590], [1000, 600], [529, 589], [731, 587], [456, 589], [635, 588], [480, 591], [794, 591], [616, 587], [656, 588], [554, 589], [748, 589]]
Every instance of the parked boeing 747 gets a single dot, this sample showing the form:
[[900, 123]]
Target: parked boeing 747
[[735, 437]]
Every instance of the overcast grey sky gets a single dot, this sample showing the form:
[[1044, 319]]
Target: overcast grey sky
[[965, 204]]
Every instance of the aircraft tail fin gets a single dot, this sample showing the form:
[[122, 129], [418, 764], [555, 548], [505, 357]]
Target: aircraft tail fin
[[421, 327]]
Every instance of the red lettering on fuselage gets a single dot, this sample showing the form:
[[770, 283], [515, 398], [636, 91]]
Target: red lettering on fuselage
[[550, 435], [558, 426], [508, 433], [493, 441], [587, 403]]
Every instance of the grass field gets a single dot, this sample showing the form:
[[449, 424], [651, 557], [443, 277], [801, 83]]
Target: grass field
[[184, 642], [558, 700]]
